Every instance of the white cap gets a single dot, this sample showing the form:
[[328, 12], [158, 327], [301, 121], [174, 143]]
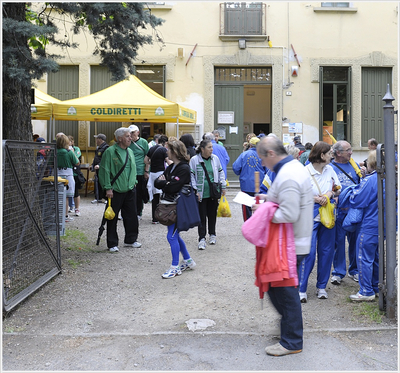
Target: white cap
[[133, 128]]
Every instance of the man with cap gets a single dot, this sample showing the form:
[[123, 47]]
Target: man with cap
[[101, 147], [298, 144], [245, 165], [140, 148]]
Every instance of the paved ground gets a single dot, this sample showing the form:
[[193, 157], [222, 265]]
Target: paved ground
[[114, 312]]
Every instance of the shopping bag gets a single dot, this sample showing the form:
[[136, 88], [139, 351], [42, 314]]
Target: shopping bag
[[224, 210], [327, 214], [187, 209], [109, 214]]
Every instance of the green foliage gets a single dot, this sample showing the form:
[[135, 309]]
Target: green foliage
[[369, 310], [76, 240], [119, 30]]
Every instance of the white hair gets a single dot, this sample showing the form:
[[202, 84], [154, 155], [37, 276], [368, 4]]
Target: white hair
[[120, 132]]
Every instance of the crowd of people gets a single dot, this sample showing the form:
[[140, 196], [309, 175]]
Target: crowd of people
[[296, 179]]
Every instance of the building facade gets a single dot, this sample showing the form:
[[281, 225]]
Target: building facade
[[291, 68]]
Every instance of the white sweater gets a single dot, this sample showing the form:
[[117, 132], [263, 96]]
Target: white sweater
[[292, 191]]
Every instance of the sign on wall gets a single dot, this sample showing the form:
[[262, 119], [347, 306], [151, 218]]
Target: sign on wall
[[226, 117]]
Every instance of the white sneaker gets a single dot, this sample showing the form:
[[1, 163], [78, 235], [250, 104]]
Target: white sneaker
[[213, 239], [135, 245], [202, 244], [68, 219], [336, 280], [139, 217], [94, 201], [77, 212], [354, 277], [113, 249], [359, 297], [187, 264], [172, 272], [303, 297], [322, 294], [70, 210]]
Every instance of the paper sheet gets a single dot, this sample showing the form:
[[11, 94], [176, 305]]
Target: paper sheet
[[244, 199]]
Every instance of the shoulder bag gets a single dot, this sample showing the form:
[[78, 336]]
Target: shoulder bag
[[187, 209], [215, 188]]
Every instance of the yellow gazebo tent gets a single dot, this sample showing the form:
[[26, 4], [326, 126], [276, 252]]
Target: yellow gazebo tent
[[127, 101], [43, 108]]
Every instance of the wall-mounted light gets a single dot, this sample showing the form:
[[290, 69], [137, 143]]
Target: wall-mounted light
[[180, 52], [269, 42], [242, 43]]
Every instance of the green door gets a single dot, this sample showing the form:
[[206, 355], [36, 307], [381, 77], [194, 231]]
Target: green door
[[229, 108]]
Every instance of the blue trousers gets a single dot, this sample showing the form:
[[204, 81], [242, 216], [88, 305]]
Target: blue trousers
[[287, 302], [177, 245], [368, 263], [339, 258], [322, 244]]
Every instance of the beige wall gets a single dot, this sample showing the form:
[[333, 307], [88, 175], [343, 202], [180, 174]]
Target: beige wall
[[365, 37]]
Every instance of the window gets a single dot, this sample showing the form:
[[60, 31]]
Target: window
[[243, 19], [337, 5], [243, 75], [153, 76], [335, 103]]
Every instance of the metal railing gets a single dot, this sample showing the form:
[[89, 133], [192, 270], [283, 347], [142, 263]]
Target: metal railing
[[31, 220]]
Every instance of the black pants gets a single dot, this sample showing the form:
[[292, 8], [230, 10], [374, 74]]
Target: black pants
[[208, 210], [126, 202], [139, 192], [154, 203], [98, 190]]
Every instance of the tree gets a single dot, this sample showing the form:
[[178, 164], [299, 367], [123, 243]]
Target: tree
[[119, 30]]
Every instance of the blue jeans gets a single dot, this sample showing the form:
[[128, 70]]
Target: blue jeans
[[177, 245], [287, 302], [339, 259], [323, 244], [368, 263]]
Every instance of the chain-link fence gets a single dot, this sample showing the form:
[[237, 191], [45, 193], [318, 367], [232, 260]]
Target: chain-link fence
[[33, 207]]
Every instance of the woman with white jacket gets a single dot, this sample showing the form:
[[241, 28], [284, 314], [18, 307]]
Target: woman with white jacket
[[203, 161]]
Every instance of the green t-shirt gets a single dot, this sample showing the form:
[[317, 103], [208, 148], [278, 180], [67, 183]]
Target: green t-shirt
[[210, 172], [66, 159], [140, 148]]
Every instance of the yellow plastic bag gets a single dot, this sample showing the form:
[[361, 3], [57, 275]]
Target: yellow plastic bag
[[224, 210], [327, 214], [109, 214]]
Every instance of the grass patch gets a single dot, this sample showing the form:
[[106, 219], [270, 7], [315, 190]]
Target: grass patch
[[73, 263], [76, 240], [369, 310]]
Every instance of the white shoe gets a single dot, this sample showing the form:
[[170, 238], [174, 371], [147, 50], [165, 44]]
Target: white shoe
[[135, 245], [322, 294], [113, 249], [303, 297], [172, 272], [336, 280], [187, 264], [202, 244], [68, 219], [359, 297], [213, 239], [354, 277]]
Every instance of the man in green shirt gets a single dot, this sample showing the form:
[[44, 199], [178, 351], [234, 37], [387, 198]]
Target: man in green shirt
[[140, 148], [120, 189]]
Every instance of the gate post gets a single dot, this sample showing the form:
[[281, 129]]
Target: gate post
[[390, 203]]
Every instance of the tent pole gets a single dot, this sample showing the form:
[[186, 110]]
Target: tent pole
[[88, 143], [177, 128]]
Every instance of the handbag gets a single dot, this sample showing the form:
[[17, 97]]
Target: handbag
[[165, 213], [327, 212], [80, 179], [215, 188], [187, 209]]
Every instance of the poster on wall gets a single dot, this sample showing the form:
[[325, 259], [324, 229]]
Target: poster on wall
[[222, 132], [226, 117], [296, 127]]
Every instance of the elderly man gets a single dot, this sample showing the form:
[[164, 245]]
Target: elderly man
[[140, 148], [292, 191], [117, 176], [347, 176], [218, 150], [101, 148], [245, 165]]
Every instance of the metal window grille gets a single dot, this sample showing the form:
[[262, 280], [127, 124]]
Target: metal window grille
[[31, 221]]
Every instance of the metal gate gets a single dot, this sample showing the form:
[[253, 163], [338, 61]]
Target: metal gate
[[31, 222]]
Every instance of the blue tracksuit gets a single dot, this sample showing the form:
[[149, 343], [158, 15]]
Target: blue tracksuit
[[365, 196], [339, 258], [245, 165]]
